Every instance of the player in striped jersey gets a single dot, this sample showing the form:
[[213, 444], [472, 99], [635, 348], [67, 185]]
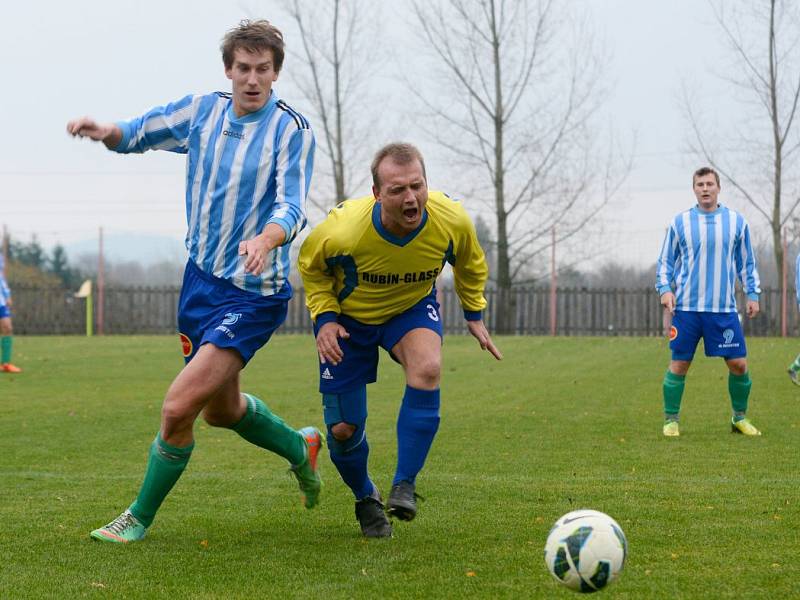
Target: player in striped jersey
[[794, 368], [248, 168], [369, 272], [6, 329], [706, 248]]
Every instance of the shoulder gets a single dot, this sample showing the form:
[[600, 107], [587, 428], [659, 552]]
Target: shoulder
[[681, 217], [291, 115], [352, 209], [449, 212], [348, 214], [449, 207]]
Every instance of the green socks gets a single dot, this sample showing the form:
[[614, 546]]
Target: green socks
[[164, 466], [5, 349], [266, 430], [673, 392], [739, 389]]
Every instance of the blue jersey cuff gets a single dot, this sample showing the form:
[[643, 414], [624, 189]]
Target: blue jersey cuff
[[473, 315], [126, 136], [326, 317], [287, 230], [663, 290], [753, 297]]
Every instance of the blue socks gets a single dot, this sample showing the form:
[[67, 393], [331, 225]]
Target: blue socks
[[416, 427], [352, 464]]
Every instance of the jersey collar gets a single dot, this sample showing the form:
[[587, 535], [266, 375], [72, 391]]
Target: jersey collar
[[390, 237], [254, 116]]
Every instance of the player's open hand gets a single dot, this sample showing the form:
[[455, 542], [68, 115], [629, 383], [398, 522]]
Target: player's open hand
[[328, 343], [479, 332], [88, 127], [256, 251]]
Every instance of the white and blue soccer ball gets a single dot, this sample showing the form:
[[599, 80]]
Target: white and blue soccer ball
[[585, 550]]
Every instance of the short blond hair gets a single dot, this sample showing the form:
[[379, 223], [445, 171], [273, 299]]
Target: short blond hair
[[401, 153]]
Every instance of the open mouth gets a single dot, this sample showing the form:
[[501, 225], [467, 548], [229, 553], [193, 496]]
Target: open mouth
[[410, 213]]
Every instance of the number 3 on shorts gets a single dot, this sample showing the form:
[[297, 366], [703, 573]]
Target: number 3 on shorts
[[434, 316]]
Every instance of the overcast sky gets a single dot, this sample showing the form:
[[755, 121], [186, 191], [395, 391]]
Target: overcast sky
[[114, 60]]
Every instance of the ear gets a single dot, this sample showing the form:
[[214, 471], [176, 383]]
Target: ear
[[375, 193], [228, 71]]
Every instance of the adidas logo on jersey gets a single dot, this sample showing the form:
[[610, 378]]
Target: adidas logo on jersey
[[326, 374]]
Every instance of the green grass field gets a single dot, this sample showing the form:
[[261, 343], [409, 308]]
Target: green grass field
[[560, 424]]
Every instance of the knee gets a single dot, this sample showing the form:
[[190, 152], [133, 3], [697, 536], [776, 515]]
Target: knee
[[679, 367], [427, 373], [342, 431], [5, 327], [174, 418], [737, 366]]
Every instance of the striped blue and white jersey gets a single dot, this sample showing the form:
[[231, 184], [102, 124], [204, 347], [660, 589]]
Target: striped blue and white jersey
[[241, 174], [5, 293], [797, 279], [702, 256]]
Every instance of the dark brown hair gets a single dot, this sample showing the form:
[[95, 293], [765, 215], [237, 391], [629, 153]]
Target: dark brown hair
[[253, 36], [705, 171]]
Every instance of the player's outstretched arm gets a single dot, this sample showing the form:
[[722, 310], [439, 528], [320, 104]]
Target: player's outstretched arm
[[328, 343], [479, 332], [108, 133]]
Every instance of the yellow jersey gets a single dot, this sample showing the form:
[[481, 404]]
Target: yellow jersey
[[350, 264]]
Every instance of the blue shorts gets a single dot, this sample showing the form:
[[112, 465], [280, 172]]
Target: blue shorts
[[214, 310], [4, 311], [360, 363], [721, 332]]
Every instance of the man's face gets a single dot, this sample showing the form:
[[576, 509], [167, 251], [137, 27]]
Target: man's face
[[706, 190], [252, 75], [403, 193]]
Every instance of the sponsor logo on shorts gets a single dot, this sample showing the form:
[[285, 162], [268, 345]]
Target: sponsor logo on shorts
[[231, 318], [673, 332], [186, 345], [727, 338], [326, 374], [226, 331], [432, 314]]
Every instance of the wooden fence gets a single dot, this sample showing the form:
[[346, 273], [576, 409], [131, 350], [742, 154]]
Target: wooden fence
[[598, 312]]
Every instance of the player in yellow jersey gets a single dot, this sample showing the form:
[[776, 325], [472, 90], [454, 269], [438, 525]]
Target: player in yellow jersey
[[369, 272]]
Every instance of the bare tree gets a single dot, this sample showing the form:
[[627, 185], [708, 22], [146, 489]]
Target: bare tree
[[518, 114], [761, 162], [338, 59]]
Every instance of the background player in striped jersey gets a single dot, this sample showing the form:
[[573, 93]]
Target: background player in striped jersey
[[248, 168], [369, 271], [794, 368], [6, 328], [705, 250]]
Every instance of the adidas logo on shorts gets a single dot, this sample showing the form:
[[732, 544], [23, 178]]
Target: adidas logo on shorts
[[326, 374]]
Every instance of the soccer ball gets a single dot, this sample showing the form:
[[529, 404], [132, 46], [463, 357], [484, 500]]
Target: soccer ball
[[585, 550]]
